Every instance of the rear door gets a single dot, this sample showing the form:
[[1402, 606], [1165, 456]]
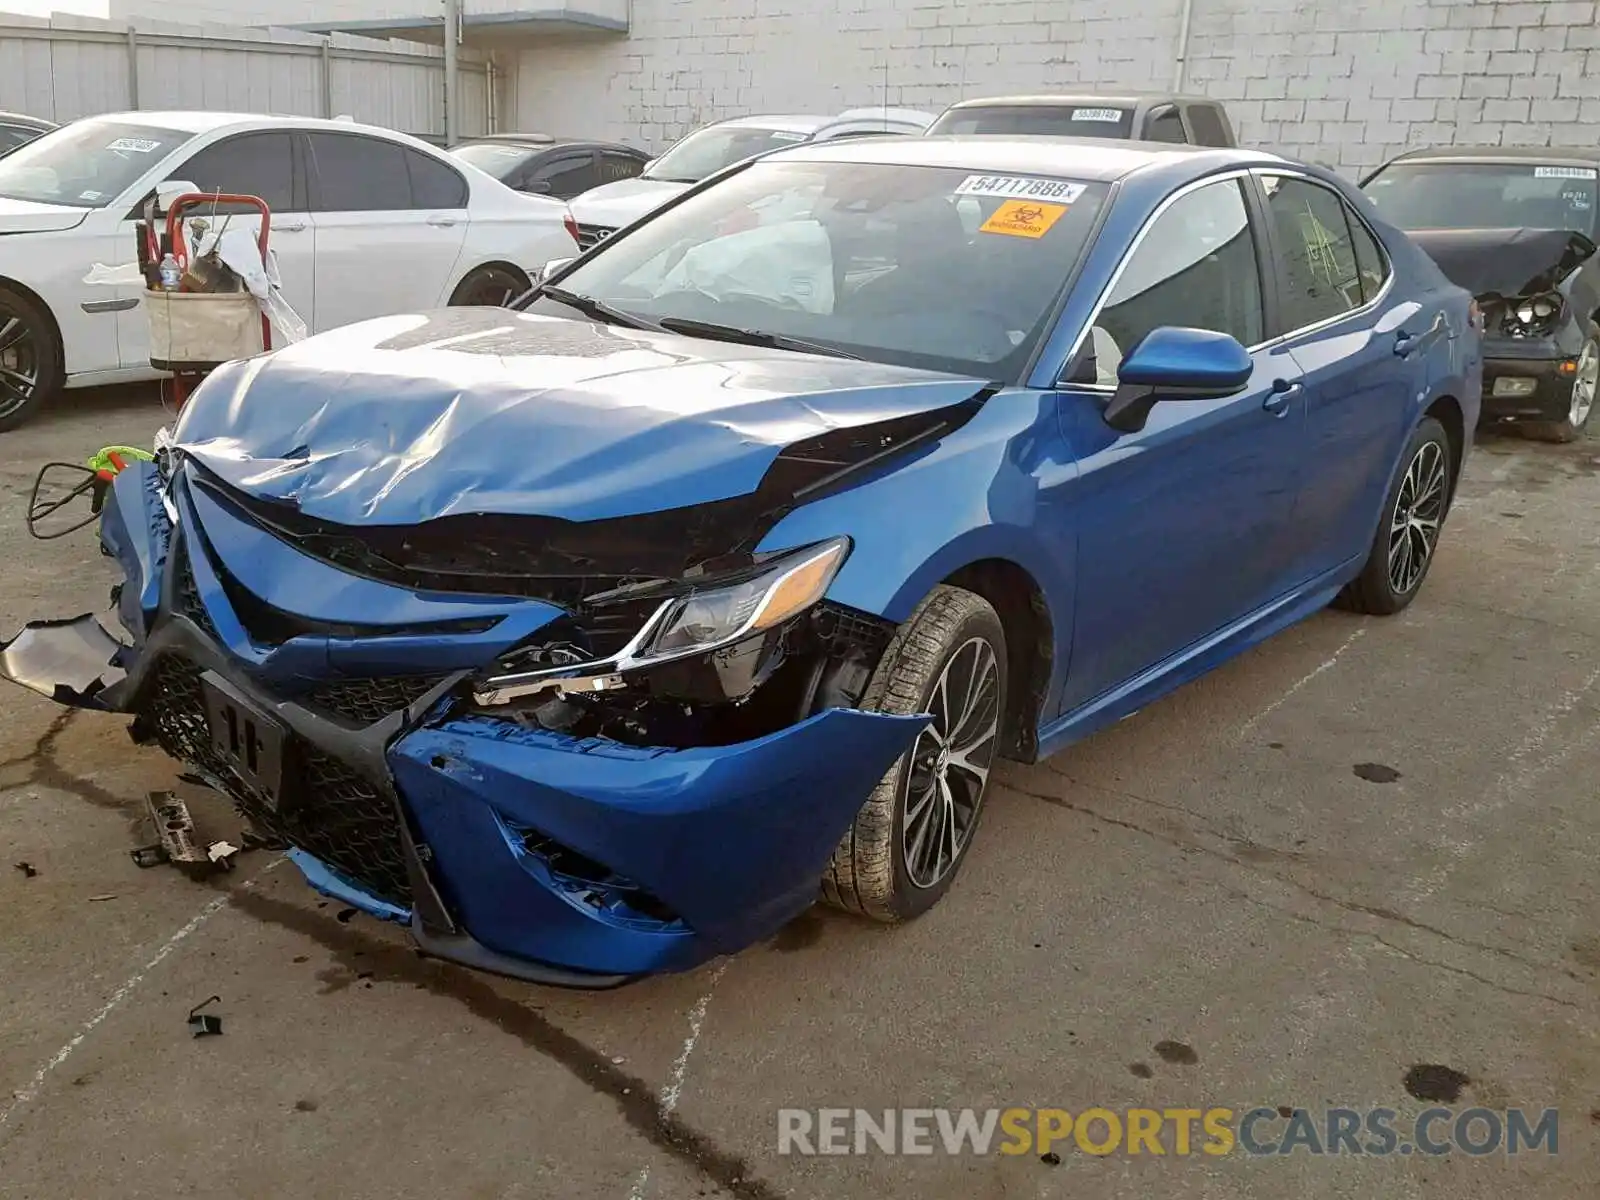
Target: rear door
[[1182, 525], [265, 164], [1344, 325], [390, 223]]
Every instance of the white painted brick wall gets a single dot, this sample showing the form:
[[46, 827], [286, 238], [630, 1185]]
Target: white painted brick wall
[[1345, 82]]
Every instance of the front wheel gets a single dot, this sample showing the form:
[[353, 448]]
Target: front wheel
[[1580, 405], [1407, 536], [911, 836]]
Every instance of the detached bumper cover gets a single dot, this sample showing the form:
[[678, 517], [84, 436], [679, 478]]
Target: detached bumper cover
[[513, 849]]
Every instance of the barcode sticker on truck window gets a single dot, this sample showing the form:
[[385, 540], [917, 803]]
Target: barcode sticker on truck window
[[135, 145], [1019, 187], [1112, 115], [1565, 173]]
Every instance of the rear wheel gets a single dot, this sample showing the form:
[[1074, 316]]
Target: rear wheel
[[490, 287], [1585, 383], [30, 359], [1407, 536], [912, 835]]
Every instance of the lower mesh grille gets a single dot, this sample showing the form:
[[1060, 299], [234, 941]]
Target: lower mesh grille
[[367, 701], [328, 810]]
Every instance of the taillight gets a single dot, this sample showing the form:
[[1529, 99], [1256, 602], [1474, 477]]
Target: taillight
[[571, 222]]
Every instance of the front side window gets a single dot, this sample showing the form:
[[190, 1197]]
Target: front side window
[[922, 266], [87, 164], [1318, 275], [1521, 195], [709, 150], [252, 164], [1196, 267]]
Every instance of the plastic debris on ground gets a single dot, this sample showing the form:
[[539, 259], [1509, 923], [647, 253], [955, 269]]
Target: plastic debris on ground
[[205, 1024]]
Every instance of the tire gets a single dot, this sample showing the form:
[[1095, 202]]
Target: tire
[[31, 373], [1421, 491], [1581, 405], [877, 871], [490, 287]]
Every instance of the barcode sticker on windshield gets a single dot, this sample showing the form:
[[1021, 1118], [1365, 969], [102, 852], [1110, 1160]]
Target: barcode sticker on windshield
[[1113, 115], [1565, 173], [135, 145], [1018, 187]]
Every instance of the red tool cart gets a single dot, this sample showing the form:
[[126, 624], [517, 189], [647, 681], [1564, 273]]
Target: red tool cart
[[193, 331]]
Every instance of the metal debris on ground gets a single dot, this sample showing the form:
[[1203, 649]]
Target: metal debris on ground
[[99, 899], [178, 842], [205, 1024], [27, 868]]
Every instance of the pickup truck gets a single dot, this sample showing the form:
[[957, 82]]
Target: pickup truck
[[1194, 120]]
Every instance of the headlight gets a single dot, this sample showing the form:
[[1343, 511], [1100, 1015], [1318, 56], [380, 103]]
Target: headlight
[[697, 623], [1538, 311], [706, 620]]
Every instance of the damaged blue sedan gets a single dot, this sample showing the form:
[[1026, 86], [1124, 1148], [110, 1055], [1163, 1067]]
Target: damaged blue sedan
[[595, 636]]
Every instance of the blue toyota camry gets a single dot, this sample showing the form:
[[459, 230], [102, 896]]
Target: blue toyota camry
[[596, 636]]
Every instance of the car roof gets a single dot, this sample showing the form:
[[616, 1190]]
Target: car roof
[[1058, 99], [1098, 160], [14, 118], [545, 139], [875, 113], [787, 122], [1588, 155], [207, 122]]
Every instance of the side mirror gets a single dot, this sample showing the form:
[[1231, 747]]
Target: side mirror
[[537, 187], [1173, 363], [554, 267], [170, 190]]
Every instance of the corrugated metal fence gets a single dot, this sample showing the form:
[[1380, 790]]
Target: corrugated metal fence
[[70, 67]]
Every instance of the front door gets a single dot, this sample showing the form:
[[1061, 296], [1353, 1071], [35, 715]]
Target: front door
[[1183, 526], [390, 225], [253, 164]]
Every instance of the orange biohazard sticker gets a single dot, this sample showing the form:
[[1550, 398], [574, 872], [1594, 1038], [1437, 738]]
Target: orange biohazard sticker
[[1023, 218]]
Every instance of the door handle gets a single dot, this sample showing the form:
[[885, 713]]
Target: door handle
[[1408, 344], [1277, 401], [288, 226], [442, 222]]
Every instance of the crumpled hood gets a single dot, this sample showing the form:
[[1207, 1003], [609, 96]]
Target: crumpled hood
[[623, 202], [477, 410], [24, 216], [1505, 262]]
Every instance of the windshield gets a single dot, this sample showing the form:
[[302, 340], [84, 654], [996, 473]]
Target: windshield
[[496, 158], [932, 267], [87, 164], [1035, 120], [1486, 196], [717, 146]]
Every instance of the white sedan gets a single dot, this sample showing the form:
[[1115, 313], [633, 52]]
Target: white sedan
[[365, 223]]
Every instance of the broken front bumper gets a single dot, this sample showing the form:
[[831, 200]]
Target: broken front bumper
[[580, 862]]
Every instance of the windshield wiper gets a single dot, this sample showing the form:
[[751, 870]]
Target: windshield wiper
[[599, 310], [749, 337]]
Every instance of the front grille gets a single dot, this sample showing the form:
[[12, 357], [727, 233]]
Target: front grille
[[186, 596], [588, 235], [367, 701], [328, 810]]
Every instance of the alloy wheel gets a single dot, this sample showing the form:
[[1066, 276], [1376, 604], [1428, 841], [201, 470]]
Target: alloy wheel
[[950, 764], [1418, 515], [19, 363], [1585, 385]]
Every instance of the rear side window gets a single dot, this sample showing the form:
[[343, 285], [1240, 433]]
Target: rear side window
[[359, 174], [252, 164], [614, 166], [1196, 266], [12, 136], [1318, 275], [1165, 126], [433, 184], [564, 176], [1208, 126]]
